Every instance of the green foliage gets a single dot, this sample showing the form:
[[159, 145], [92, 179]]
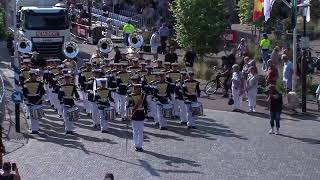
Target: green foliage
[[200, 24], [312, 85], [245, 11]]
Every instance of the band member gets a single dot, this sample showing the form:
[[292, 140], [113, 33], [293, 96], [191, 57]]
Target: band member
[[159, 67], [33, 91], [148, 62], [135, 67], [123, 82], [97, 73], [86, 83], [167, 67], [191, 90], [24, 72], [162, 96], [55, 84], [173, 76], [143, 70], [179, 98], [137, 102], [70, 64], [67, 93], [46, 78], [103, 98]]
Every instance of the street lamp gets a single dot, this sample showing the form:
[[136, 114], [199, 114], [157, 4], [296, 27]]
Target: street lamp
[[304, 46]]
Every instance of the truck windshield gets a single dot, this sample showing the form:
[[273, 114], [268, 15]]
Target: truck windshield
[[50, 21]]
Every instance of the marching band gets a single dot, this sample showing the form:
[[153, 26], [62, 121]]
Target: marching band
[[132, 89]]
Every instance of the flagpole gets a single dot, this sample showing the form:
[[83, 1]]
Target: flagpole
[[294, 47]]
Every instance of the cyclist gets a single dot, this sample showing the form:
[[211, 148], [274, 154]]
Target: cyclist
[[227, 72]]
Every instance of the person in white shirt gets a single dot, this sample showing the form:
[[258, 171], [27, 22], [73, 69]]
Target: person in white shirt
[[252, 88], [318, 97], [237, 87], [287, 72], [154, 43]]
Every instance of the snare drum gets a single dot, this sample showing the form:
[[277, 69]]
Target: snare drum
[[167, 110], [73, 114], [36, 112], [109, 113], [197, 109]]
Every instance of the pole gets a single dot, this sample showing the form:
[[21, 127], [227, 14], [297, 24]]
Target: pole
[[90, 16], [16, 65], [294, 48], [303, 71]]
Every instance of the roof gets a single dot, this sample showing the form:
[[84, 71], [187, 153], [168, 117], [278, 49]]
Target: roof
[[43, 10]]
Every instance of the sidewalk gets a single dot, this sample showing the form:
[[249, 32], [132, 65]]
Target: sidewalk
[[11, 139]]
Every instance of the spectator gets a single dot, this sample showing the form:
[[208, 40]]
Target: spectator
[[109, 176], [164, 34], [189, 58], [243, 48], [128, 29], [275, 56], [287, 72], [318, 96], [232, 57], [148, 14], [7, 175], [252, 88], [154, 43], [227, 72], [236, 87], [272, 73], [2, 149], [171, 57], [275, 105], [108, 29], [264, 46]]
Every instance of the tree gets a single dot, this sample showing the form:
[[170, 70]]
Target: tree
[[200, 24], [245, 11]]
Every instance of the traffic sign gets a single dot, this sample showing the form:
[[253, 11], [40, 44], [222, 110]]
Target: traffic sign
[[17, 97]]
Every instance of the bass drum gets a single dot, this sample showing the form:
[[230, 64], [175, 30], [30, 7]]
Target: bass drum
[[73, 114], [167, 110], [197, 109], [109, 113]]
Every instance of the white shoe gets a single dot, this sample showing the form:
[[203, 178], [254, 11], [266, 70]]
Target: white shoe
[[277, 132], [271, 131]]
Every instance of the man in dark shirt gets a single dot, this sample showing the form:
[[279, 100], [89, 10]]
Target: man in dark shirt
[[275, 105], [171, 57], [189, 58]]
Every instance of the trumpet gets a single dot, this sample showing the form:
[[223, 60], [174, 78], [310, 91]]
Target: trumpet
[[135, 40], [70, 49], [24, 45], [105, 45]]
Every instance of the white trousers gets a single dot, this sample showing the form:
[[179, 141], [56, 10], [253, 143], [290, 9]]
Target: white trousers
[[95, 113], [47, 89], [137, 127], [34, 123], [159, 110], [187, 111], [68, 125], [115, 97], [236, 98], [175, 103], [252, 96], [57, 104], [103, 121], [51, 99], [86, 103], [123, 106], [182, 110]]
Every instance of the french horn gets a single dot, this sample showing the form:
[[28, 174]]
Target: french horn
[[70, 49], [24, 46], [105, 45], [135, 40]]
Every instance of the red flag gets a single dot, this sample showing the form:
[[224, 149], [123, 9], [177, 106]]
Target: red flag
[[257, 9]]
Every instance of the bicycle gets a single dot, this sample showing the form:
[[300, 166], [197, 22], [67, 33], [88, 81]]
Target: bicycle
[[214, 85]]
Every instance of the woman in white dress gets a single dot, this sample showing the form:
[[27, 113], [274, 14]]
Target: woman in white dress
[[252, 88], [237, 87]]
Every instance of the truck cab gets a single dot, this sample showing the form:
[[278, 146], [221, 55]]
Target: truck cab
[[48, 28]]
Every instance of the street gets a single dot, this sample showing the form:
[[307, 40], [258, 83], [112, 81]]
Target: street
[[226, 145]]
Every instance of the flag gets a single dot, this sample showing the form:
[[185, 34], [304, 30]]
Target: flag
[[257, 9], [267, 7], [294, 14]]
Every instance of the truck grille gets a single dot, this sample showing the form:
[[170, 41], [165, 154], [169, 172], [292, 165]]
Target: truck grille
[[52, 49]]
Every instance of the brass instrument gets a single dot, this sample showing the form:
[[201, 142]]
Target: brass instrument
[[70, 49], [105, 45]]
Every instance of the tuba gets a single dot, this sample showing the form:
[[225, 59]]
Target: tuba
[[105, 45], [24, 46], [70, 49], [135, 40]]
